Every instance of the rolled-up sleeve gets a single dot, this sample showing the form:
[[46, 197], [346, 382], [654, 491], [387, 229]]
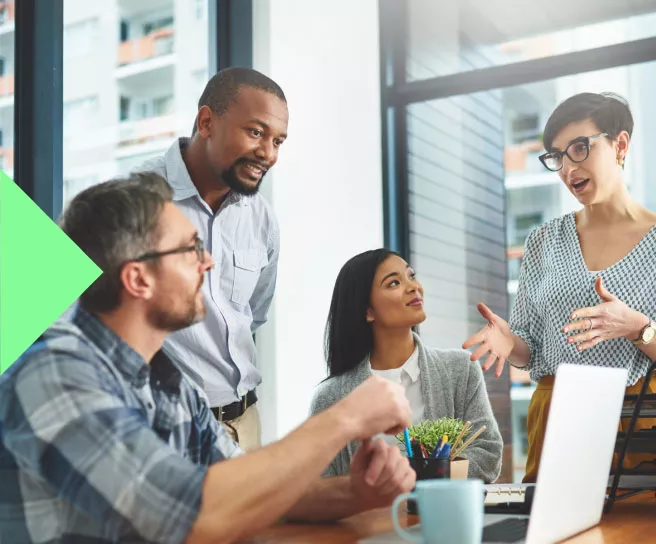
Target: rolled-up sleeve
[[98, 453]]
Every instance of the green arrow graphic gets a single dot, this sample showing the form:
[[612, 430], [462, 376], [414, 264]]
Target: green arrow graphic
[[42, 271]]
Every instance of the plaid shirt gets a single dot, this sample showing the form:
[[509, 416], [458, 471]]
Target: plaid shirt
[[98, 446]]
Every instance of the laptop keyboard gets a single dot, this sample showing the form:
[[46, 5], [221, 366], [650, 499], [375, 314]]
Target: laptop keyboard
[[507, 530]]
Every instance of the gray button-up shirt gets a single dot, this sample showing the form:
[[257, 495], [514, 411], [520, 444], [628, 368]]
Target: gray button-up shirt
[[243, 238]]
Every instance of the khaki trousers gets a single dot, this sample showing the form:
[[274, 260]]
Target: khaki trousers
[[246, 429]]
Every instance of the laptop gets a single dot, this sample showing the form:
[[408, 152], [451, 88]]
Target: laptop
[[576, 458]]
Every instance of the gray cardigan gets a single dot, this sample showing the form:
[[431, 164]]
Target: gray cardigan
[[451, 386]]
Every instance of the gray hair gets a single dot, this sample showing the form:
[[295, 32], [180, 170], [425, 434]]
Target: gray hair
[[114, 222]]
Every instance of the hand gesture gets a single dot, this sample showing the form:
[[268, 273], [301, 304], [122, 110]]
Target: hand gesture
[[610, 319], [495, 338]]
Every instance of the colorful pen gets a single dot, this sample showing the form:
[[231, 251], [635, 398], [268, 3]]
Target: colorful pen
[[408, 447], [436, 449], [444, 441]]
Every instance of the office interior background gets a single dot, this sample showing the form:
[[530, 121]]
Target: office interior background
[[413, 124]]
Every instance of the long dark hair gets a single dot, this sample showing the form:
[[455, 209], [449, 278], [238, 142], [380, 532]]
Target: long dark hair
[[348, 338]]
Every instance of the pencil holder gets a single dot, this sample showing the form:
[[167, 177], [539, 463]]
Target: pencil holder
[[432, 468]]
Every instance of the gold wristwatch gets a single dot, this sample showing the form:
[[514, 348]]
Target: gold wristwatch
[[647, 334]]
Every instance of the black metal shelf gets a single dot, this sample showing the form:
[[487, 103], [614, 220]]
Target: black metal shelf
[[642, 477]]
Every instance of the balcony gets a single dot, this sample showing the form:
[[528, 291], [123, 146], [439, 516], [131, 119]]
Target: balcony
[[7, 85], [6, 12], [6, 158], [150, 132], [523, 168], [522, 157], [156, 44]]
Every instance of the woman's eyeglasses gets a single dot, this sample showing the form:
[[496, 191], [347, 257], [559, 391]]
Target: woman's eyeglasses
[[577, 151]]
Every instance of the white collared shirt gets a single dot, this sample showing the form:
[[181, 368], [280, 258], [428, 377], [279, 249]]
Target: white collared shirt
[[407, 376], [243, 239]]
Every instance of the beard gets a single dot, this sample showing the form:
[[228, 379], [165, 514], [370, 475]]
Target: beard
[[231, 179], [164, 317]]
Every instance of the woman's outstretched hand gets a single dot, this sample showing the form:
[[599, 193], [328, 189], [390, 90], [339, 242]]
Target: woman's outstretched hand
[[495, 338]]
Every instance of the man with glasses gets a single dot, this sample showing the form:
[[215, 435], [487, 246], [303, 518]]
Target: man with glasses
[[103, 439], [215, 175]]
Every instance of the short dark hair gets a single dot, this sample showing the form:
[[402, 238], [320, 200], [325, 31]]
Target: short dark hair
[[348, 337], [609, 111], [221, 91], [114, 222]]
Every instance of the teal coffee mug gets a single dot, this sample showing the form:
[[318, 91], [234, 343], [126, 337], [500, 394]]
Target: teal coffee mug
[[450, 510]]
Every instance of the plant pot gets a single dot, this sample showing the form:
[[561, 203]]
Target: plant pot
[[459, 468]]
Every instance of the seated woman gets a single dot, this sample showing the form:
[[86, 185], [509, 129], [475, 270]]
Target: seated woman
[[376, 302]]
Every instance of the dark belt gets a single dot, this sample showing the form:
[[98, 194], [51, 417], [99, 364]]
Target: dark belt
[[236, 409]]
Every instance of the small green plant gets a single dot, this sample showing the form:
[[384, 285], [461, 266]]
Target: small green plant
[[428, 432]]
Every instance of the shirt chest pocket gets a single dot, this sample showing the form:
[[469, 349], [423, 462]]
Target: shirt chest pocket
[[247, 265]]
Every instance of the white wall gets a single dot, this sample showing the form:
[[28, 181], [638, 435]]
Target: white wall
[[326, 188]]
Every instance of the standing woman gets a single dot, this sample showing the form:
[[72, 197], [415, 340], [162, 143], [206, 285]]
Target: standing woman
[[587, 285]]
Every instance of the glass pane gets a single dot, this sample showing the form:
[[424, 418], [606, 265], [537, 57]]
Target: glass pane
[[477, 188], [535, 195], [131, 84], [457, 233], [447, 37], [7, 87]]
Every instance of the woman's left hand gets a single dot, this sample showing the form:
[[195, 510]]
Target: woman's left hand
[[610, 319]]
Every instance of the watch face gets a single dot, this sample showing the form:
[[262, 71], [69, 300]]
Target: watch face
[[648, 335]]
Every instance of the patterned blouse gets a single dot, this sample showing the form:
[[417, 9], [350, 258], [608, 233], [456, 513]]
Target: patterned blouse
[[554, 281]]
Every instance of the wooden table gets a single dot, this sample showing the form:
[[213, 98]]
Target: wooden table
[[632, 520]]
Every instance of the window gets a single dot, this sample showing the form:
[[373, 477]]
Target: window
[[163, 105], [124, 31], [447, 38], [526, 128], [201, 9], [4, 13], [7, 88], [156, 25], [142, 109], [124, 114], [75, 185], [80, 115], [469, 156], [524, 224], [78, 38], [131, 101]]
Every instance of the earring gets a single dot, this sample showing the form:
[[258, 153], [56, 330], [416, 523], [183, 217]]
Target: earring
[[370, 319], [620, 161]]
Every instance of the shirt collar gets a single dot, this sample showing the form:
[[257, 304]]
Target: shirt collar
[[410, 367], [180, 180], [127, 361]]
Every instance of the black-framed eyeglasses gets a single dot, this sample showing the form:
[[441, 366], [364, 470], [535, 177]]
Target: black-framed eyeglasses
[[577, 150], [198, 247]]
